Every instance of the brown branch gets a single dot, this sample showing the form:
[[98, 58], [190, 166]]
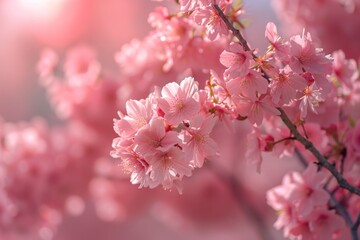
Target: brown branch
[[343, 183], [354, 228], [235, 31], [239, 36]]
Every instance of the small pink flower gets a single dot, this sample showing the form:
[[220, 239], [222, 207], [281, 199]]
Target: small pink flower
[[178, 101], [237, 61], [281, 48], [278, 199], [311, 99], [250, 85], [154, 137], [255, 108], [285, 85], [308, 192], [168, 167], [304, 56], [137, 166], [208, 17], [199, 144], [325, 223], [138, 115]]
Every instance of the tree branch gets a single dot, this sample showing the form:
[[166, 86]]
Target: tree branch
[[343, 183], [354, 228]]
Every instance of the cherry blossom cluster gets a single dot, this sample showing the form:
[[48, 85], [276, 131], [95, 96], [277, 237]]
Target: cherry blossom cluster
[[164, 137], [294, 101], [302, 203], [295, 98]]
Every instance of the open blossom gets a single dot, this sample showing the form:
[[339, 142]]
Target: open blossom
[[250, 85], [135, 165], [279, 199], [255, 108], [308, 192], [311, 99], [197, 138], [178, 101], [138, 115], [154, 137], [285, 85], [277, 44], [208, 17], [168, 167], [237, 61], [306, 57]]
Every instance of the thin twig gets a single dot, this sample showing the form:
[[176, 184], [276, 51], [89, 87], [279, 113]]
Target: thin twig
[[283, 140]]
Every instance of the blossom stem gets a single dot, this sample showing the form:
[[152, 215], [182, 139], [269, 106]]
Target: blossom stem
[[283, 140]]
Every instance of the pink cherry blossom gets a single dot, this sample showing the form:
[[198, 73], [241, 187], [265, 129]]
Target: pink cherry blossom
[[199, 144], [237, 61], [305, 56], [255, 108], [308, 192], [311, 99], [208, 17], [154, 137], [138, 115], [325, 223], [250, 85], [279, 199], [178, 101], [277, 44], [285, 85], [168, 167]]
